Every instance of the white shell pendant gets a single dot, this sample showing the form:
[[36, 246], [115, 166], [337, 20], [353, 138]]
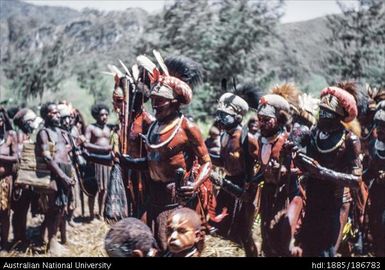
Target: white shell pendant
[[266, 152]]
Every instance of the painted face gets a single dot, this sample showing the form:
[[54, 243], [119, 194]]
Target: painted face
[[103, 116], [268, 125], [72, 119], [162, 107], [253, 126], [328, 120], [65, 122], [181, 234], [225, 121], [53, 115]]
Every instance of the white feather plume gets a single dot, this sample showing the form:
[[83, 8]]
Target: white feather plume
[[115, 70], [125, 68], [160, 62], [135, 72], [107, 73], [145, 62], [308, 103]]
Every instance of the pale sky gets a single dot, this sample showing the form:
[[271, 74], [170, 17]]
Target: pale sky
[[296, 10]]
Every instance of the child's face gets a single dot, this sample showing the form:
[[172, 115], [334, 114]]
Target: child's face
[[181, 234]]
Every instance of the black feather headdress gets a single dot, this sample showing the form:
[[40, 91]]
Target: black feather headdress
[[250, 92], [185, 69]]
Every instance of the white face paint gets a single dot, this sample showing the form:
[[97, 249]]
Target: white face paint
[[180, 234]]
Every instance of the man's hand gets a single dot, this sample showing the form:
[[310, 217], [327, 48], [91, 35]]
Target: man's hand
[[82, 139], [216, 179], [186, 192], [307, 164], [68, 182]]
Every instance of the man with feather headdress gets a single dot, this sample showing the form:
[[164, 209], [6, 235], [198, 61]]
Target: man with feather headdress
[[238, 154], [281, 202], [328, 142], [177, 158]]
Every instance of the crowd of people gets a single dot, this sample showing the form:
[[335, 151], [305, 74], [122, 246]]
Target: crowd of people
[[309, 167]]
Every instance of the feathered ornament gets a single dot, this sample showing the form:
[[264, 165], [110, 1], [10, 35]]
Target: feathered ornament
[[115, 70], [350, 87], [148, 65], [376, 95], [185, 69], [135, 72], [289, 92], [354, 126], [307, 103], [250, 92], [161, 63], [124, 67], [107, 73], [358, 93]]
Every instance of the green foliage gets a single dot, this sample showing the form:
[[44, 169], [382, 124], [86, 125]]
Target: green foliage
[[32, 75], [90, 78], [357, 44], [229, 38]]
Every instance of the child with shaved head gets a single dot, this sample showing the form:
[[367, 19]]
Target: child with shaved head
[[185, 237]]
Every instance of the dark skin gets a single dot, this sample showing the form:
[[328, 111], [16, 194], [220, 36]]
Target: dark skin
[[21, 206], [327, 182], [8, 156], [163, 162], [54, 215], [62, 150], [183, 234], [163, 169], [98, 135], [275, 171], [97, 138], [159, 168], [232, 159]]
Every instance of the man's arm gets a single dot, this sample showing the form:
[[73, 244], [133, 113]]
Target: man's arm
[[310, 165], [42, 144], [199, 147], [12, 158]]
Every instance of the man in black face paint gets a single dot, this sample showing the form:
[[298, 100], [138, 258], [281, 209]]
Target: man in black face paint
[[333, 165], [237, 192]]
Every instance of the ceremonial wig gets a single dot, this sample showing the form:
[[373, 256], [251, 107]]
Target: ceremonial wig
[[280, 103], [360, 94], [127, 235], [96, 108]]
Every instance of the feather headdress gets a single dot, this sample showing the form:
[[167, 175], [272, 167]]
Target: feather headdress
[[250, 92], [169, 85], [289, 92], [185, 69]]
